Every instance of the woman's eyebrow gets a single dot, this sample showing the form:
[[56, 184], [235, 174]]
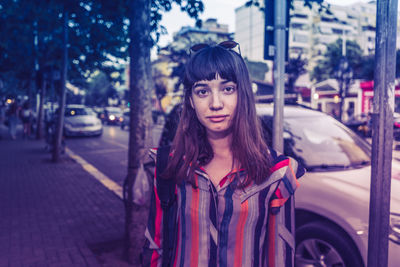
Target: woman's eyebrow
[[199, 85], [227, 81]]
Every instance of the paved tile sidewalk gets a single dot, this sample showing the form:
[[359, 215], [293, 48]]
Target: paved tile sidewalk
[[51, 213]]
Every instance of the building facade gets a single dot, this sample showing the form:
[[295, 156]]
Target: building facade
[[310, 30]]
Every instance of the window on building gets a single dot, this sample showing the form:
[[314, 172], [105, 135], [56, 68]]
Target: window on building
[[298, 15], [337, 31], [326, 19], [299, 26], [300, 38]]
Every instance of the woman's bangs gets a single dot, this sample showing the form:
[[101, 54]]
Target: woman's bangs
[[211, 62]]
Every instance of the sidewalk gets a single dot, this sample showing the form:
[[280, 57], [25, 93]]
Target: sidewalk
[[52, 214]]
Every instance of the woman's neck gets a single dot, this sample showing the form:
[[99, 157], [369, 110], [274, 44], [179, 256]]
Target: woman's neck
[[221, 145]]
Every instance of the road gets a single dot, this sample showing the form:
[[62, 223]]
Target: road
[[108, 153]]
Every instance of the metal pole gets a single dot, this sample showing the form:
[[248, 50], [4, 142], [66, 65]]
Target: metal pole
[[382, 132], [279, 74]]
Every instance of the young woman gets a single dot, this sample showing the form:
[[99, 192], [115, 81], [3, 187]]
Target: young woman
[[225, 174]]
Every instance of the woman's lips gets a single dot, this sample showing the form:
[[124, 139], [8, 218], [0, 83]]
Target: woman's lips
[[217, 118]]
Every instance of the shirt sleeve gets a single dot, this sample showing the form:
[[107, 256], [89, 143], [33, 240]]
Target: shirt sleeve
[[152, 250], [288, 184]]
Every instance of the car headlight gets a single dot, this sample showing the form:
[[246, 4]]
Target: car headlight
[[394, 231], [111, 117]]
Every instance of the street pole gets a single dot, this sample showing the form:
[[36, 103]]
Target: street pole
[[279, 73], [280, 28], [382, 132]]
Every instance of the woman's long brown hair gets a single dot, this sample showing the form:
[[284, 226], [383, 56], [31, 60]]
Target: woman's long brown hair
[[191, 149]]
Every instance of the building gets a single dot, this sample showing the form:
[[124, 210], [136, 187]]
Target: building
[[210, 32], [310, 30], [249, 24]]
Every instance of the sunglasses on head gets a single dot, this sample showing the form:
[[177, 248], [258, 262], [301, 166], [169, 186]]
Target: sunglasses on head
[[228, 45]]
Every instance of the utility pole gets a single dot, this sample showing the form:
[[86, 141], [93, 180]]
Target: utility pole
[[280, 28], [382, 132]]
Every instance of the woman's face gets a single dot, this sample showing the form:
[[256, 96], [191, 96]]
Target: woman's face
[[215, 104]]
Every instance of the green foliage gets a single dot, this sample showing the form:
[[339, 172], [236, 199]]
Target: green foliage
[[257, 70], [294, 68], [368, 68], [99, 90], [98, 37], [327, 65], [323, 7]]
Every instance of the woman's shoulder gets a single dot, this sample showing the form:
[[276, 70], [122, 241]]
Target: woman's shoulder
[[280, 161]]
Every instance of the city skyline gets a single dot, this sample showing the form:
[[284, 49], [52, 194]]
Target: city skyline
[[222, 10]]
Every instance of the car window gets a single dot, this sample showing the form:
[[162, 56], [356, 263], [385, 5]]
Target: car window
[[321, 142], [114, 111], [69, 112]]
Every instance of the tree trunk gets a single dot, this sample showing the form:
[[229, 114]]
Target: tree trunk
[[140, 87], [39, 125], [61, 108]]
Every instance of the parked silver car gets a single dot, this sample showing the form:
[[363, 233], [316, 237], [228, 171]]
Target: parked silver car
[[332, 202], [125, 119], [81, 121]]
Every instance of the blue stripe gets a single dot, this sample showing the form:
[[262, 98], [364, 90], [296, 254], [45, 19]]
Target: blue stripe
[[224, 229], [183, 224], [288, 185], [261, 216], [213, 216]]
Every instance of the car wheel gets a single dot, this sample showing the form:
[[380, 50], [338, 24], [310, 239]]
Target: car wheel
[[324, 244]]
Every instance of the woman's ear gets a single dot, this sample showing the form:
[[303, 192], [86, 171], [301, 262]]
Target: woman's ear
[[191, 102]]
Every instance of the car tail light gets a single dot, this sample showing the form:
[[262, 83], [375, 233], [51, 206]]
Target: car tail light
[[397, 124]]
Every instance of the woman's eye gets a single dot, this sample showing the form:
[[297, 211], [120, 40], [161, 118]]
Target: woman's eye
[[229, 89], [201, 92]]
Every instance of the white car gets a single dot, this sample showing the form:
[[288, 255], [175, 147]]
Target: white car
[[332, 202], [81, 121]]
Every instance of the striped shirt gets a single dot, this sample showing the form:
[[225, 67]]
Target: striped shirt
[[222, 225]]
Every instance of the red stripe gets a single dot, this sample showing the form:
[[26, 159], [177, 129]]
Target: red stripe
[[280, 164], [278, 193], [222, 182], [271, 241], [244, 210], [194, 216]]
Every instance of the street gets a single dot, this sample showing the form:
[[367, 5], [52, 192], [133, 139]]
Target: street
[[109, 152]]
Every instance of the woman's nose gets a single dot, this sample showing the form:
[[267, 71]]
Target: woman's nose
[[216, 102]]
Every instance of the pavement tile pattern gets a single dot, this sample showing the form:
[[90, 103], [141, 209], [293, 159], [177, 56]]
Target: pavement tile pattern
[[51, 213]]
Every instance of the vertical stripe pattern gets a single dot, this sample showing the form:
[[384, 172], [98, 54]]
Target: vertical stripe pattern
[[240, 234], [223, 225]]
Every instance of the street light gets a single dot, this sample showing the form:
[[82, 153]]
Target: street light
[[344, 75]]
